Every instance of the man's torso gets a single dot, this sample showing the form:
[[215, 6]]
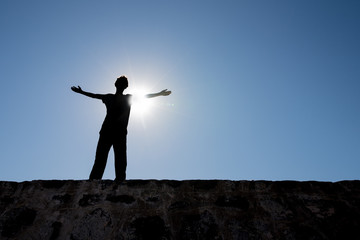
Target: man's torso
[[117, 115]]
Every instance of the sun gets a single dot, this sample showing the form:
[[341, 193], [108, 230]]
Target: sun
[[140, 104]]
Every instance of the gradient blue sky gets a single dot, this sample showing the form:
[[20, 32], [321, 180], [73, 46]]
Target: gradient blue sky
[[261, 89]]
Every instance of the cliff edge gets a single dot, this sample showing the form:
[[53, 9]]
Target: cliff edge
[[194, 209]]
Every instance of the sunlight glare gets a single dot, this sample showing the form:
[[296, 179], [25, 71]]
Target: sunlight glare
[[140, 104]]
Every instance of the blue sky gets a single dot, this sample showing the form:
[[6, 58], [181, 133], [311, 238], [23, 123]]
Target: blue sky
[[261, 89]]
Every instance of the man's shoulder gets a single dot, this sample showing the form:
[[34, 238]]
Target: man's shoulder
[[107, 97]]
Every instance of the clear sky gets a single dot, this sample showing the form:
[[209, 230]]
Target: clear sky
[[261, 89]]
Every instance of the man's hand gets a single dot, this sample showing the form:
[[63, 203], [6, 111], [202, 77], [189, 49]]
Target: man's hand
[[77, 89], [88, 94], [165, 92]]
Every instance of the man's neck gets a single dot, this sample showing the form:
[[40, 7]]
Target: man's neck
[[119, 92]]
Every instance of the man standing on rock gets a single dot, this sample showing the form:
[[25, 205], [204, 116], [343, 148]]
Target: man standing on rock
[[114, 129]]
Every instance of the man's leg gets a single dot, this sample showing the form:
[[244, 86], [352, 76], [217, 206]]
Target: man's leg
[[120, 158], [102, 152]]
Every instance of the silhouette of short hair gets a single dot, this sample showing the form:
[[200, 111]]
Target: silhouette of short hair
[[122, 83]]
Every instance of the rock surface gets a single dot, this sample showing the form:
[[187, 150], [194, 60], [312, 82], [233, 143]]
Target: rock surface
[[197, 209]]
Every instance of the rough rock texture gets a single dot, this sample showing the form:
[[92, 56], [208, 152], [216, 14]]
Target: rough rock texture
[[150, 209]]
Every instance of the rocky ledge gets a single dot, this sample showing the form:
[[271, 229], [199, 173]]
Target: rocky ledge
[[194, 209]]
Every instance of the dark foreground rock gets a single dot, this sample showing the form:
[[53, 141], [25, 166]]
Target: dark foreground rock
[[150, 209]]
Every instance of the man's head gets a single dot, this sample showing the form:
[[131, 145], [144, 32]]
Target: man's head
[[121, 83]]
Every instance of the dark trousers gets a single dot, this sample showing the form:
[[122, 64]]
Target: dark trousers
[[119, 145]]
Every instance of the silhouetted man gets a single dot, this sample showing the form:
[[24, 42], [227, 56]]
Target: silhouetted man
[[114, 129]]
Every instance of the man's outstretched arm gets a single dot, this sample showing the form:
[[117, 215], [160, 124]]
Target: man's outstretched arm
[[88, 94], [164, 92]]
